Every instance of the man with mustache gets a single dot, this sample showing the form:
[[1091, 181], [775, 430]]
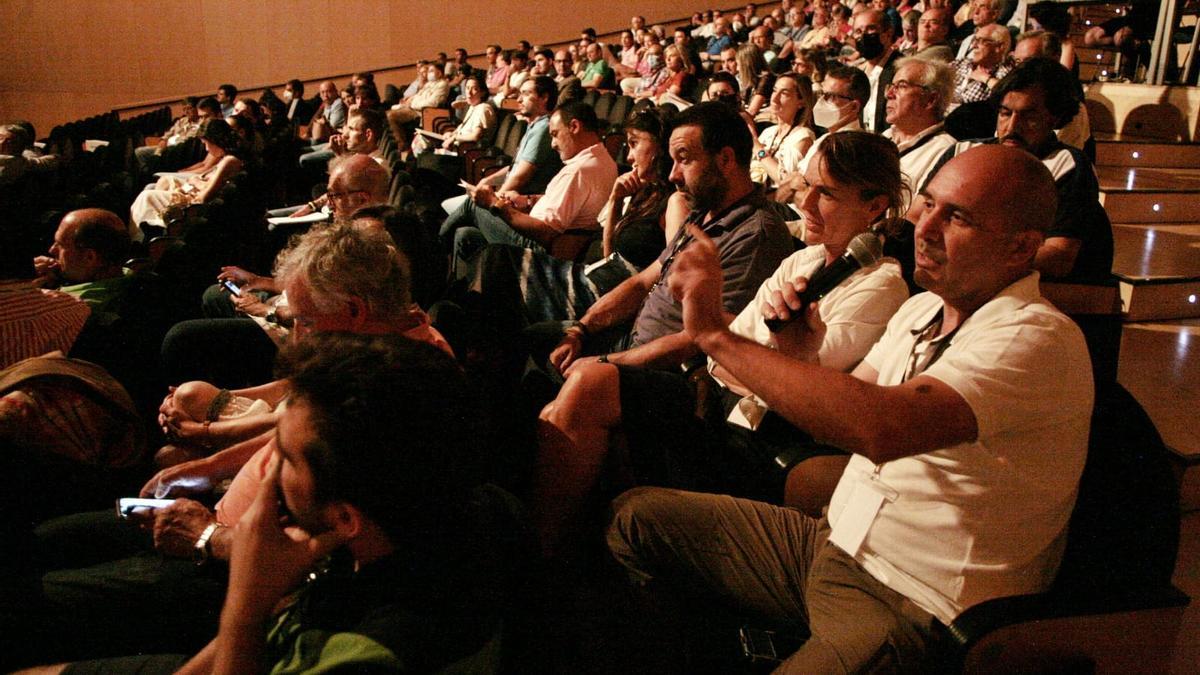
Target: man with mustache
[[1033, 100], [960, 439]]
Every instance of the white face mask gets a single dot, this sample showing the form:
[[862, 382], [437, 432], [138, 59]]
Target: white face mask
[[826, 114], [287, 96], [430, 77]]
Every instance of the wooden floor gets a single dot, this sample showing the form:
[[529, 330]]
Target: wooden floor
[[1160, 366]]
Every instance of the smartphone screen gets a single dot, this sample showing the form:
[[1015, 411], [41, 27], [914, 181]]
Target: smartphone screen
[[128, 505], [233, 288]]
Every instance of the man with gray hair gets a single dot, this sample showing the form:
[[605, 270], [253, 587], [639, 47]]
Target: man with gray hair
[[916, 104], [987, 63], [258, 318], [13, 144], [167, 597], [983, 13]]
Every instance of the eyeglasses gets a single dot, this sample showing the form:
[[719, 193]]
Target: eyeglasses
[[902, 85], [339, 196], [828, 96], [987, 41]]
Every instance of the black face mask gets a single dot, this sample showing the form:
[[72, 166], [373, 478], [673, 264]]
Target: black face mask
[[869, 46]]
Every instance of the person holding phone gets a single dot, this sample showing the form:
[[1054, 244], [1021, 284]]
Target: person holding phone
[[382, 556]]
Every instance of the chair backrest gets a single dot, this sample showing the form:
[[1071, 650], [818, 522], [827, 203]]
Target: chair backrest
[[391, 95], [1124, 532], [513, 143], [603, 105], [621, 107]]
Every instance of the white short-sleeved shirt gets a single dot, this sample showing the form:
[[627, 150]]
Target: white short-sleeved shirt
[[988, 518], [855, 313]]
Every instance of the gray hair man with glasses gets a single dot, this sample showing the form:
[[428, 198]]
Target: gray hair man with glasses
[[982, 69], [916, 104]]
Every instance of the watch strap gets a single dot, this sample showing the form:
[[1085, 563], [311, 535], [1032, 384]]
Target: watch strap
[[202, 549]]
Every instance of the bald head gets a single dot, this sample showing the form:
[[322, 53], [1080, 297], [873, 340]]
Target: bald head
[[92, 218], [356, 180], [89, 245], [981, 224], [1026, 199]]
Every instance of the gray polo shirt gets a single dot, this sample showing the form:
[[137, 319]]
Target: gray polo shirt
[[751, 242]]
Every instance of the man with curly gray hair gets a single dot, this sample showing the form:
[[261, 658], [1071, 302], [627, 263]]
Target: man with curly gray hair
[[345, 278]]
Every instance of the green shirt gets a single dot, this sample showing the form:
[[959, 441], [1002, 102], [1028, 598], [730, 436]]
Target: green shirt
[[102, 296]]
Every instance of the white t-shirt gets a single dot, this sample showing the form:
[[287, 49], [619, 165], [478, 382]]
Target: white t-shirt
[[988, 518], [855, 313]]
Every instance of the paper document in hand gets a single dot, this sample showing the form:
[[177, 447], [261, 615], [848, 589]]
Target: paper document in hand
[[432, 134]]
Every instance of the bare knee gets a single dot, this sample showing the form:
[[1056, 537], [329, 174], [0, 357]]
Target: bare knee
[[590, 397], [194, 398], [1094, 37]]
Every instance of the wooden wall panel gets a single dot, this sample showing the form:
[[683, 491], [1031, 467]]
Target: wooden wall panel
[[67, 59]]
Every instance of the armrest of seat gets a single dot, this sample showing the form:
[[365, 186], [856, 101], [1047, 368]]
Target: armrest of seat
[[484, 166], [430, 117], [978, 621], [572, 244], [157, 246]]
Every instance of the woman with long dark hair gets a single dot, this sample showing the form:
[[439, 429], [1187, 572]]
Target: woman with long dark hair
[[224, 148]]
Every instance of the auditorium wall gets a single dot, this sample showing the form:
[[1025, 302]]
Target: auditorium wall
[[66, 59]]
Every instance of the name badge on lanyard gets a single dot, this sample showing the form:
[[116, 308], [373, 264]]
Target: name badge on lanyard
[[866, 498]]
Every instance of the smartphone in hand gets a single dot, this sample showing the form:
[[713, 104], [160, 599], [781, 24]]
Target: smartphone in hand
[[127, 506]]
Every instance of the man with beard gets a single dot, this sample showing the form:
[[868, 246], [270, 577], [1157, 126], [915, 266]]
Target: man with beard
[[1036, 98], [710, 147], [950, 417]]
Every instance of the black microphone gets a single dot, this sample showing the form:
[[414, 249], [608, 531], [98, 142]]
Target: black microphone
[[862, 251]]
